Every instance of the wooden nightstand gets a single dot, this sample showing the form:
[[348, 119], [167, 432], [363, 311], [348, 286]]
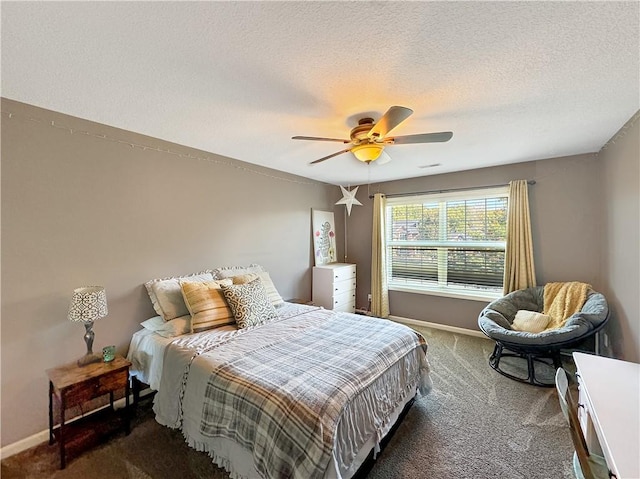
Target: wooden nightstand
[[72, 385]]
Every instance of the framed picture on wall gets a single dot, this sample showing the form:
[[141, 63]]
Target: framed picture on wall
[[324, 237]]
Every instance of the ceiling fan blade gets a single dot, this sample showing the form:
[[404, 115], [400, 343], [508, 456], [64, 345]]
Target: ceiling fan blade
[[330, 156], [318, 138], [420, 138], [383, 159], [392, 118]]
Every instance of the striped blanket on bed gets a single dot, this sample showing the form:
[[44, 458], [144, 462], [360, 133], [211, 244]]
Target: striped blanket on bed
[[280, 394]]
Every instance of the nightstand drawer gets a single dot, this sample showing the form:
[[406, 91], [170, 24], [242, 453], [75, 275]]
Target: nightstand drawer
[[94, 387]]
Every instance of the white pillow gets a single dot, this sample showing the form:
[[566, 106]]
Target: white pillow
[[168, 329], [530, 321], [272, 292], [166, 294], [231, 271]]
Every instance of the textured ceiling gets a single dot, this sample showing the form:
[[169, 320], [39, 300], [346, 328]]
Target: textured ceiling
[[514, 81]]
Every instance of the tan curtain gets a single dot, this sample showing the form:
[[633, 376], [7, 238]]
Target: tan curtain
[[519, 271], [379, 291]]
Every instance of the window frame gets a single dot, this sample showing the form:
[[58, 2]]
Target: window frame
[[441, 288]]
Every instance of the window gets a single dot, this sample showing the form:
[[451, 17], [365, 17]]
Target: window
[[451, 244]]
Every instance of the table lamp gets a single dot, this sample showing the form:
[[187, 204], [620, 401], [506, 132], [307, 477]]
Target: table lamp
[[88, 303]]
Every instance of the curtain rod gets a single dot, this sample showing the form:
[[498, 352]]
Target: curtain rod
[[417, 193]]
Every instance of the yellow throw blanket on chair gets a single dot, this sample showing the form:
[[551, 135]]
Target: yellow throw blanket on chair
[[562, 300]]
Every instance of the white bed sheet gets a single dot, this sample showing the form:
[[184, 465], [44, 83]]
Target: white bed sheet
[[146, 353]]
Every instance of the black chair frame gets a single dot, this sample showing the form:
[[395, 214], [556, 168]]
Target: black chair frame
[[549, 355]]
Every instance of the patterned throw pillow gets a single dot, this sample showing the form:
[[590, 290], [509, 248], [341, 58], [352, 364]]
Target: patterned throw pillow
[[249, 303], [206, 304]]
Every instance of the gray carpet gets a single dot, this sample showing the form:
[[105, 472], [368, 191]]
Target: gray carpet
[[475, 424]]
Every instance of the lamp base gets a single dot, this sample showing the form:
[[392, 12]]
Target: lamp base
[[89, 359]]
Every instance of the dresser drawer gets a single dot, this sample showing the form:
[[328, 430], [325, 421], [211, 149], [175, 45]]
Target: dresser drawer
[[344, 286], [346, 307], [344, 298], [334, 285], [583, 413], [344, 273], [586, 422], [94, 387]]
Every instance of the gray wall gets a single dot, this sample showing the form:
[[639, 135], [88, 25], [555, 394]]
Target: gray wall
[[620, 173], [585, 213], [80, 210], [564, 205]]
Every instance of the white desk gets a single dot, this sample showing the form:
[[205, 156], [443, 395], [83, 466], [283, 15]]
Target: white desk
[[610, 392]]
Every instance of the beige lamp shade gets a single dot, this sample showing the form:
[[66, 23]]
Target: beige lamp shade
[[88, 303]]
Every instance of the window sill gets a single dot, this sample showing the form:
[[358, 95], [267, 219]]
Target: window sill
[[468, 295]]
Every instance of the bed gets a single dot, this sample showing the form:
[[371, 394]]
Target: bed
[[307, 394]]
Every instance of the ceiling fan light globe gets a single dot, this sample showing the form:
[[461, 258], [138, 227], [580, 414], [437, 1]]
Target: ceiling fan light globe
[[367, 152]]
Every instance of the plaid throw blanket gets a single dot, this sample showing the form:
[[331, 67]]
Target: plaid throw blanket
[[280, 393]]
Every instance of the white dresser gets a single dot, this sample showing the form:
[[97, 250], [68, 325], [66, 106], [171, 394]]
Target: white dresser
[[334, 286]]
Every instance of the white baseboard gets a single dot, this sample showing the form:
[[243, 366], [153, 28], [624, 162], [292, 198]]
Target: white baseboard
[[43, 436], [24, 444], [444, 327]]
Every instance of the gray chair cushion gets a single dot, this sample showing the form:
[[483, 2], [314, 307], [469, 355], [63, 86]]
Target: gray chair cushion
[[495, 320]]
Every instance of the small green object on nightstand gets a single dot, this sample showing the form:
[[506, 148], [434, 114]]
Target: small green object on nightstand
[[108, 353]]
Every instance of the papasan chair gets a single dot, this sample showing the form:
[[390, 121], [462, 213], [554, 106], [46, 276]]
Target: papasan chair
[[497, 322]]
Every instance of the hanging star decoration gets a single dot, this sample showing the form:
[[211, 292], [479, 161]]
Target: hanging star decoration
[[349, 198]]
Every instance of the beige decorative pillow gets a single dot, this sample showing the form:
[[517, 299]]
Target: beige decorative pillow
[[530, 321], [272, 292], [206, 304], [166, 294], [231, 271], [249, 303]]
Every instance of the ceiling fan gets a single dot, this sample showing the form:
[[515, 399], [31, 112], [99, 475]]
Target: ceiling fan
[[368, 139]]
